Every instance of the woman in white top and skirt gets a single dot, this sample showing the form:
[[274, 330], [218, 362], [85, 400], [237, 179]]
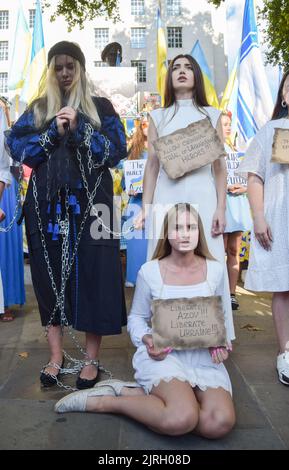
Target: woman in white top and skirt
[[177, 391], [268, 189]]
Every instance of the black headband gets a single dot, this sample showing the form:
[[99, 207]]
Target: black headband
[[67, 48]]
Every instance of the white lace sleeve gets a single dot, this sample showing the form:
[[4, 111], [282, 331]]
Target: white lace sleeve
[[254, 160], [140, 313]]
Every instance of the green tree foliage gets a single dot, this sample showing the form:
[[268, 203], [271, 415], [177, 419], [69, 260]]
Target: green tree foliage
[[76, 12], [275, 13]]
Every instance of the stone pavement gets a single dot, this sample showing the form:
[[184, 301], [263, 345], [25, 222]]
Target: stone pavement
[[27, 419]]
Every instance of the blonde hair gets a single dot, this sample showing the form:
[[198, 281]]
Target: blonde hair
[[137, 143], [164, 248], [50, 101]]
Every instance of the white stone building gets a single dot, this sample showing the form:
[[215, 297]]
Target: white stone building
[[184, 22]]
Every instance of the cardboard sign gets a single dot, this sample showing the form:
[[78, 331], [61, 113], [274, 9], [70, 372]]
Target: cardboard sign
[[233, 161], [188, 323], [133, 174], [280, 147], [189, 148]]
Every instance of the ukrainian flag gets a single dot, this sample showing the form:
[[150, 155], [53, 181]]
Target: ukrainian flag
[[198, 54], [21, 52], [37, 65], [161, 57], [230, 87]]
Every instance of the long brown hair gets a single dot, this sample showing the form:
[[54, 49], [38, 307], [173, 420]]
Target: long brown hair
[[164, 248], [279, 111], [199, 94], [137, 143]]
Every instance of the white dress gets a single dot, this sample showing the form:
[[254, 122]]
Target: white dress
[[5, 177], [269, 270], [197, 188], [193, 366]]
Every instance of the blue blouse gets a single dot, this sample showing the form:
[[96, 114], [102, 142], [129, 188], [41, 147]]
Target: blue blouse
[[32, 147]]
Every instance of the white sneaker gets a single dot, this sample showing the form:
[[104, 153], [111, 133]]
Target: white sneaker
[[116, 385], [283, 367], [76, 401]]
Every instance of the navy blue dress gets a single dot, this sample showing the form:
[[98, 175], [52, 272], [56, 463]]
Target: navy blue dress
[[94, 294]]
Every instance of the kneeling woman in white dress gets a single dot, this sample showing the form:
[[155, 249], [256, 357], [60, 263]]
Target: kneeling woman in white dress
[[176, 391]]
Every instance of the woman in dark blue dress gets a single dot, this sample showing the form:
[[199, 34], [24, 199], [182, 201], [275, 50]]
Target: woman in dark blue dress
[[70, 139]]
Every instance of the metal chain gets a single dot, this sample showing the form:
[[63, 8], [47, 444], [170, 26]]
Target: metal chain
[[66, 263], [87, 140]]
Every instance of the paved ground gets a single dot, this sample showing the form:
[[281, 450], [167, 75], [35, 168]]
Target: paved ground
[[27, 419]]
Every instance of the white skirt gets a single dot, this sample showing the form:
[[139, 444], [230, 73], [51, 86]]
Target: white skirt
[[193, 366]]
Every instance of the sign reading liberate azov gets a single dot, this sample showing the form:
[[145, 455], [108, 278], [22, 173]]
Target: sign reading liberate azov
[[192, 323]]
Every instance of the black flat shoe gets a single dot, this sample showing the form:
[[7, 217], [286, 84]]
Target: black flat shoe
[[48, 380], [82, 384]]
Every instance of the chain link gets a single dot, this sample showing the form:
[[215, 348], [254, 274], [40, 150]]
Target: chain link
[[87, 141]]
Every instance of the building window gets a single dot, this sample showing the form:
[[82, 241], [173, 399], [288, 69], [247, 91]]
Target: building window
[[4, 19], [99, 63], [141, 70], [175, 37], [138, 38], [3, 50], [101, 37], [31, 18], [174, 7], [3, 82], [137, 7]]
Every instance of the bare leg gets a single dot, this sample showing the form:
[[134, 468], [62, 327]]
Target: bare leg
[[163, 411], [55, 340], [280, 310], [233, 259], [217, 414], [92, 350]]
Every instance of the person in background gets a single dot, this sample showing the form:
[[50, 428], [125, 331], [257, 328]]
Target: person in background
[[5, 179], [136, 251], [238, 217], [268, 189]]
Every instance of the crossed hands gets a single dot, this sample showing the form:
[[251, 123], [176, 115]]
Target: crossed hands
[[66, 117]]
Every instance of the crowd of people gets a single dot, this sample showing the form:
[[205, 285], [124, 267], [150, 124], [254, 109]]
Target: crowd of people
[[182, 229]]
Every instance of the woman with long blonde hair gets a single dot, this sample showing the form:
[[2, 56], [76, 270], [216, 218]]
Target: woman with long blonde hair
[[70, 139], [177, 391]]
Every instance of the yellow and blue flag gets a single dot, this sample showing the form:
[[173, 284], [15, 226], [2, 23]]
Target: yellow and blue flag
[[230, 90], [161, 57], [37, 65], [21, 52], [198, 54]]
